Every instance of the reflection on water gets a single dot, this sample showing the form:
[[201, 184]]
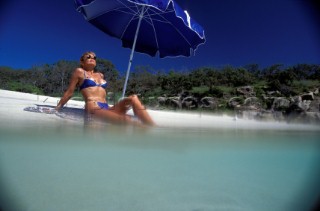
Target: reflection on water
[[130, 168]]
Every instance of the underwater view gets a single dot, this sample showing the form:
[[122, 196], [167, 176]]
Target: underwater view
[[128, 168]]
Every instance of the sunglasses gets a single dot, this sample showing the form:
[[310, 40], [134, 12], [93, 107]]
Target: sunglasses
[[91, 57]]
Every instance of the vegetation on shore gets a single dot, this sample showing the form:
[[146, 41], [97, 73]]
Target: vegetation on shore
[[220, 83]]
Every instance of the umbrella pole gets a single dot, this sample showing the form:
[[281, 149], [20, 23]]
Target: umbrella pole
[[132, 52]]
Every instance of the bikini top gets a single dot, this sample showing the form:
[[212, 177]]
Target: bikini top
[[89, 82]]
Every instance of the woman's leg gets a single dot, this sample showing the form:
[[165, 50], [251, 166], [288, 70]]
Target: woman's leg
[[107, 115], [139, 110]]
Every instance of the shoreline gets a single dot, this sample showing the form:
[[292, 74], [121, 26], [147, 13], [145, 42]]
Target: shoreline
[[12, 105]]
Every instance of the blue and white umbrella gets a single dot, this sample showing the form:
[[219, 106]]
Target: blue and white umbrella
[[146, 26]]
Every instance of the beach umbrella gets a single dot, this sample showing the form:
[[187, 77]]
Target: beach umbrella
[[146, 26]]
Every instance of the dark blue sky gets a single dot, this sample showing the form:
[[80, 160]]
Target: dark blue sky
[[238, 32]]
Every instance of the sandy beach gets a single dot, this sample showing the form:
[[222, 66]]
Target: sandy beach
[[13, 113], [12, 105]]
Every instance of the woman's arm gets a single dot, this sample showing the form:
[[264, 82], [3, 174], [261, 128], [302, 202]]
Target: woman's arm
[[72, 85]]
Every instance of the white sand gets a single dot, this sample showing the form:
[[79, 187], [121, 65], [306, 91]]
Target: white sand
[[12, 106], [13, 103]]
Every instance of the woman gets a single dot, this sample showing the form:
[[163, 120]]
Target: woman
[[92, 87]]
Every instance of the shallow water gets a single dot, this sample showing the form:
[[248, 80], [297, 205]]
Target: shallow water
[[69, 168]]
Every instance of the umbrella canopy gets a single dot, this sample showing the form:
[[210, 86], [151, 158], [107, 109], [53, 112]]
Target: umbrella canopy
[[146, 26]]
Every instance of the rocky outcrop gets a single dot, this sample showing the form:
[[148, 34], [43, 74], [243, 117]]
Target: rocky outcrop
[[172, 102], [302, 108], [271, 106]]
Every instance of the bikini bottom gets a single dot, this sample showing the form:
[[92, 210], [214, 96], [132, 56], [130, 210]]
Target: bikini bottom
[[104, 106], [88, 115]]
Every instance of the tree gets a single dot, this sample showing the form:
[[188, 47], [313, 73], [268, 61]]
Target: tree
[[271, 76], [315, 73], [254, 70], [6, 75], [110, 73], [198, 77], [174, 83], [142, 80], [60, 75], [236, 77], [39, 77], [211, 77], [306, 71]]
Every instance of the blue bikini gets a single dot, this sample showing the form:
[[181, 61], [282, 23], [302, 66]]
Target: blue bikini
[[89, 82], [104, 106]]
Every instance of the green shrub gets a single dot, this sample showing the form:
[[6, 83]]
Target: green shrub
[[22, 87]]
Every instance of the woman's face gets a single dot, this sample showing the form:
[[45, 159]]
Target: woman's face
[[89, 60]]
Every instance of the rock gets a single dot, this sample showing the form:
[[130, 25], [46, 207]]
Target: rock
[[189, 102], [162, 100], [174, 102], [315, 105], [273, 93], [252, 103], [208, 102], [280, 103], [299, 105], [235, 102], [169, 101], [304, 105], [308, 96], [247, 91]]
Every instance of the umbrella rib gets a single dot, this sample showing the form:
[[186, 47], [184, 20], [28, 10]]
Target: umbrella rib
[[164, 20], [154, 30], [105, 12], [130, 7], [123, 9], [135, 15]]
